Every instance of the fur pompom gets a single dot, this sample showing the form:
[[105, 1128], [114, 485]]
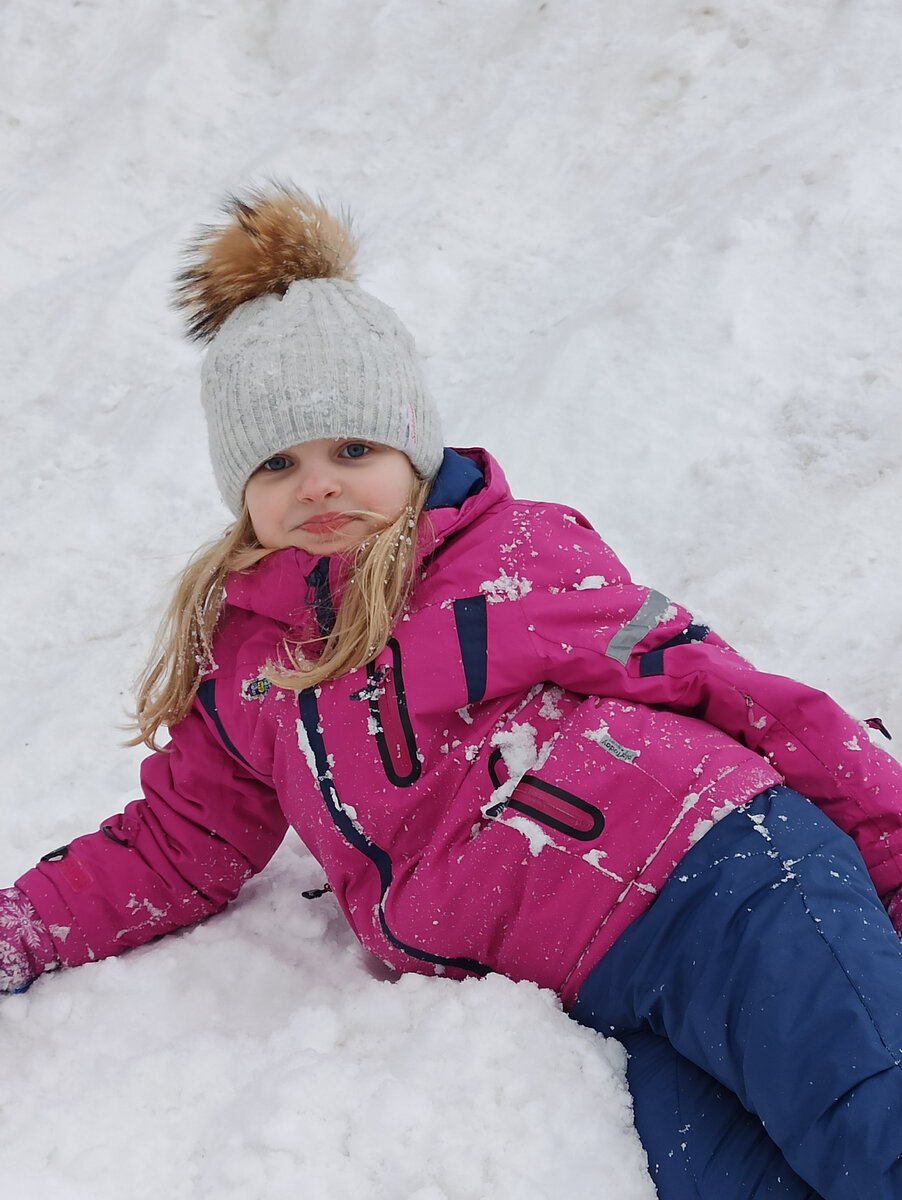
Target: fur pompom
[[270, 240]]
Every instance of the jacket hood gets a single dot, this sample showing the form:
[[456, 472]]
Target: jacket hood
[[468, 483]]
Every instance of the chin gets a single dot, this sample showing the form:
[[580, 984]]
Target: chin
[[326, 546]]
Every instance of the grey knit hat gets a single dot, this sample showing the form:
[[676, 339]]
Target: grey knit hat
[[297, 350]]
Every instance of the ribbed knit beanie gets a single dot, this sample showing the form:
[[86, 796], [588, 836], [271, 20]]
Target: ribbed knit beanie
[[297, 351]]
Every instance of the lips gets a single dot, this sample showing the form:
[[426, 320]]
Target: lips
[[325, 523]]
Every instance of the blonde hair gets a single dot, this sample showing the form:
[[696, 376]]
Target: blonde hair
[[380, 577]]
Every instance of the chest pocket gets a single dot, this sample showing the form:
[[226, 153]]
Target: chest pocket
[[390, 719]]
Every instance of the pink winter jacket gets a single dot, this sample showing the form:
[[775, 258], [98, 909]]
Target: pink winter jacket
[[504, 788]]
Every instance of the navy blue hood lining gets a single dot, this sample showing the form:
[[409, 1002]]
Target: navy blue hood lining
[[458, 479]]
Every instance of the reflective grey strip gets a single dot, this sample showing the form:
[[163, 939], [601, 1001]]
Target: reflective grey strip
[[652, 612]]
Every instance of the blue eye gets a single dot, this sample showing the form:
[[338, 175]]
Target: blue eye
[[278, 462], [355, 450]]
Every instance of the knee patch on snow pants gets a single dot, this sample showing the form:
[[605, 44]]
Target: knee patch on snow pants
[[701, 1143]]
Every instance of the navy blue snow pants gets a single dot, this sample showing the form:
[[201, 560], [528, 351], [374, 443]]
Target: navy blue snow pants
[[760, 1000]]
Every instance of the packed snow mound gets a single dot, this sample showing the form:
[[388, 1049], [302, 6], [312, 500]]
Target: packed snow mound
[[648, 253]]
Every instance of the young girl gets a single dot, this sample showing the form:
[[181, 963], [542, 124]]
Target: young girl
[[505, 755]]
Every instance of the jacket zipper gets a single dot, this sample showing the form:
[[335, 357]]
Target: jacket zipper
[[391, 720], [319, 597], [354, 835]]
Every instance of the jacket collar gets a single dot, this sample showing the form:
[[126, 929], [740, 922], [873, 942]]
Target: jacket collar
[[459, 476], [468, 483]]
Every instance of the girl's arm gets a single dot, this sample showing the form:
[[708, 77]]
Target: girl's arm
[[602, 634], [204, 825]]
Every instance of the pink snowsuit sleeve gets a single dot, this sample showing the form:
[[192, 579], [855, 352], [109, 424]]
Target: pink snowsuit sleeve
[[605, 635], [205, 824]]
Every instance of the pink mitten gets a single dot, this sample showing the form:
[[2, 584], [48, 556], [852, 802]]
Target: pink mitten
[[26, 947], [894, 908]]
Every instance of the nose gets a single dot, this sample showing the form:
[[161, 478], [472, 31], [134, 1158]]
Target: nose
[[317, 484]]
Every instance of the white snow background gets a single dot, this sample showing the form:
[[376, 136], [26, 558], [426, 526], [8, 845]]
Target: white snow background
[[650, 252]]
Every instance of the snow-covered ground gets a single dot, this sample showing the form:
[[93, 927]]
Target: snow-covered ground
[[650, 250]]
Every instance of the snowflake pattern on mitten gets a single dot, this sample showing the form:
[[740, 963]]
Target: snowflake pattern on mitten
[[26, 947]]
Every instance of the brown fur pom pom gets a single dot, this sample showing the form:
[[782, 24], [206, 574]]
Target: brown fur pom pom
[[270, 240]]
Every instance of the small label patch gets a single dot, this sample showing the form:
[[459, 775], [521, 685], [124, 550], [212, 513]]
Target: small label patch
[[255, 689], [612, 747], [602, 737]]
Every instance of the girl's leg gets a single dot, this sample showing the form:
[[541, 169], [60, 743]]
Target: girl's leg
[[700, 1141], [767, 961]]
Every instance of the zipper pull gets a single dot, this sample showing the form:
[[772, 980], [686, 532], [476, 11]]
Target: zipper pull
[[315, 893], [876, 723]]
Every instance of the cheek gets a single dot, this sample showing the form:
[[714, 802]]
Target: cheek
[[392, 501], [400, 495], [252, 504], [261, 507], [397, 487]]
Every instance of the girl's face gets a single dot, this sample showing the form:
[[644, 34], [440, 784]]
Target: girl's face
[[328, 495]]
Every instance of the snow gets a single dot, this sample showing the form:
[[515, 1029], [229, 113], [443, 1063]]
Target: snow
[[537, 837], [306, 749], [649, 254], [505, 587], [517, 743]]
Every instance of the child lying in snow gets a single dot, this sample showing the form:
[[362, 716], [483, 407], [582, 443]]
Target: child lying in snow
[[505, 754]]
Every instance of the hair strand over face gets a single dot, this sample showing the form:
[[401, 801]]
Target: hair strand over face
[[380, 577]]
